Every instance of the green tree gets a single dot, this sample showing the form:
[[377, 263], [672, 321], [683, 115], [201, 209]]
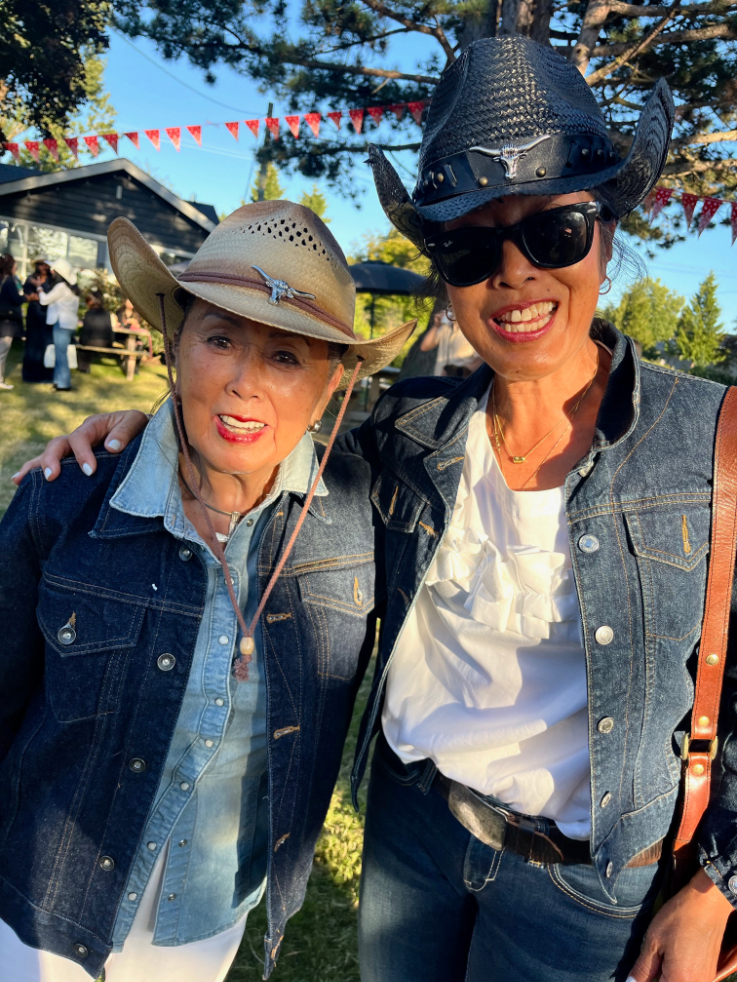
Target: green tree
[[329, 54], [42, 58], [700, 336], [95, 115], [648, 313], [317, 201], [272, 186]]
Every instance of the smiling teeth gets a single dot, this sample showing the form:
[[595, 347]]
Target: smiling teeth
[[516, 321], [250, 426]]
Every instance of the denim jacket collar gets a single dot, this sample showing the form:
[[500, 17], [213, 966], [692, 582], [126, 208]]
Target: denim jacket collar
[[149, 491]]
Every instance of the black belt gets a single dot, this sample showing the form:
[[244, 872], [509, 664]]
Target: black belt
[[502, 828]]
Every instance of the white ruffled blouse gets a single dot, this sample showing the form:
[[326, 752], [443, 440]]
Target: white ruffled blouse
[[489, 675]]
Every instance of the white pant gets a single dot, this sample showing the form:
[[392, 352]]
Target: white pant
[[139, 961]]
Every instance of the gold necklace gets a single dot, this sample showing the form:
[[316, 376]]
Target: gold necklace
[[517, 458]]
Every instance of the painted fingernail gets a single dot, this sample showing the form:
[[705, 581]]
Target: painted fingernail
[[113, 444], [631, 978], [17, 474], [47, 473], [87, 469]]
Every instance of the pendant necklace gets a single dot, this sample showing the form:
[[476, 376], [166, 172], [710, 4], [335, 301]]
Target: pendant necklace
[[234, 516]]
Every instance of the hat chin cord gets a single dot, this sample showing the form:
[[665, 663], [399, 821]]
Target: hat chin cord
[[246, 645]]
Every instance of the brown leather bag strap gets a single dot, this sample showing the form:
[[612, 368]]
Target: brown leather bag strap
[[700, 746]]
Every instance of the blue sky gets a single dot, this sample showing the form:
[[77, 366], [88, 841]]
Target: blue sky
[[147, 96]]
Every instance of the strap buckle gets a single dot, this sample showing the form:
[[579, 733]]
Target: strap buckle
[[687, 747]]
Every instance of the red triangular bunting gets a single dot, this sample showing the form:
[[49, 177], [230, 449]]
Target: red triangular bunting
[[647, 204], [313, 121], [689, 202], [155, 137], [272, 124], [53, 147], [15, 150], [233, 128], [356, 118], [175, 135], [662, 197], [376, 112], [336, 118], [733, 220], [416, 109], [708, 210], [133, 137], [112, 139], [398, 109], [196, 133], [73, 143], [32, 147], [93, 143], [293, 124], [253, 125]]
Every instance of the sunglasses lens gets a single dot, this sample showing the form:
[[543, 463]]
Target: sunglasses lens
[[557, 238], [465, 256]]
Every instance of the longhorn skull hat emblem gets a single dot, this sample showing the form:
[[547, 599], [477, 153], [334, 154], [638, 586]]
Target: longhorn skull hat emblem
[[510, 156], [280, 288]]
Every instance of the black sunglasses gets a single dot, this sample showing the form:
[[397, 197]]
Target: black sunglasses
[[550, 239]]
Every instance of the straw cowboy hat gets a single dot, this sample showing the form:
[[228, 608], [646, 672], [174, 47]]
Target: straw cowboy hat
[[274, 262], [65, 269], [511, 116]]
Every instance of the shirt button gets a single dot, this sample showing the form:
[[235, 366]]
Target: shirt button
[[106, 863], [732, 884], [182, 843], [185, 554], [609, 869], [172, 896], [604, 634], [184, 786], [223, 639], [66, 634], [151, 846], [81, 950], [605, 800], [588, 543], [219, 702], [209, 743], [166, 662], [137, 765], [133, 896], [605, 725], [249, 522]]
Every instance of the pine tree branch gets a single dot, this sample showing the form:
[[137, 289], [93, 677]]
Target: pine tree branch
[[593, 22], [632, 50], [636, 11], [710, 33], [704, 139], [685, 168], [437, 32], [329, 66]]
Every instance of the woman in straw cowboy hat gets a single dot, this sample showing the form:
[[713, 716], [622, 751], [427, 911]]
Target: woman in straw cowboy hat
[[546, 530], [186, 630]]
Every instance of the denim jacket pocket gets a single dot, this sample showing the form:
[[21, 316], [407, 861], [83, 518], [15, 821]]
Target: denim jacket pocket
[[88, 639], [399, 506]]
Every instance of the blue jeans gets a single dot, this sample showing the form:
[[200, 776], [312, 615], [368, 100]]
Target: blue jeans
[[438, 905], [62, 376]]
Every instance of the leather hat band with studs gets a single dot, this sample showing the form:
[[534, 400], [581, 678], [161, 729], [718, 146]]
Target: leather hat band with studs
[[530, 161]]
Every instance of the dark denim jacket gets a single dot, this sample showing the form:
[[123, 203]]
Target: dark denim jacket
[[88, 688], [644, 493]]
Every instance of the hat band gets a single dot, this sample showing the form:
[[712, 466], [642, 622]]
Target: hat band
[[532, 160], [232, 279]]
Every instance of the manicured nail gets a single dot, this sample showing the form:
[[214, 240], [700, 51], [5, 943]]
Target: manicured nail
[[47, 473], [17, 474], [631, 978], [87, 469], [113, 444]]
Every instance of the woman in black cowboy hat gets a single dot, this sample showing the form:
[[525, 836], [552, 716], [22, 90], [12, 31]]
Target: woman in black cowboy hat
[[547, 528]]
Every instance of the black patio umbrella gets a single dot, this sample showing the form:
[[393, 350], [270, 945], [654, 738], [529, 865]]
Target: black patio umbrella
[[382, 279]]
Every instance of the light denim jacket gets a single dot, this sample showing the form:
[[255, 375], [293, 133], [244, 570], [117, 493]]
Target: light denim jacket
[[639, 517]]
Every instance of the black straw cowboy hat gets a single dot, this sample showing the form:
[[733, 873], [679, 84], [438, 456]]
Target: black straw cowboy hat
[[511, 116]]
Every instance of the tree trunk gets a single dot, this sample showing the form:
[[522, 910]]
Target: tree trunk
[[481, 25], [531, 18]]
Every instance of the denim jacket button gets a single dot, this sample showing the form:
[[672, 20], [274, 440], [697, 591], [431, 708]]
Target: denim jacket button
[[137, 765], [604, 634], [588, 543], [605, 800], [106, 863], [609, 869], [605, 725], [166, 662], [67, 634], [732, 884], [185, 554], [81, 950]]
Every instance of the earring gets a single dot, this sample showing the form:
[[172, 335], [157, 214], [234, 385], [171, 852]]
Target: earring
[[449, 314], [315, 427], [608, 287]]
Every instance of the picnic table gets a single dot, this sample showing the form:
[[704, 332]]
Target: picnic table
[[128, 354]]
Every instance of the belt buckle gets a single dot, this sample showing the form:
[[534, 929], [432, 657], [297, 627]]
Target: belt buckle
[[488, 823]]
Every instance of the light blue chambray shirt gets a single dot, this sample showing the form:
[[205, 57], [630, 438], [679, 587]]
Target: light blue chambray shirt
[[210, 814]]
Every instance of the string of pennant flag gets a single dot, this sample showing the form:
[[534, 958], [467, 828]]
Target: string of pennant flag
[[660, 197], [174, 133]]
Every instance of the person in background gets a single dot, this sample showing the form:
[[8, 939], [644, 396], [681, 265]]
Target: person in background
[[38, 332], [129, 318], [11, 317], [455, 356], [63, 316], [97, 328]]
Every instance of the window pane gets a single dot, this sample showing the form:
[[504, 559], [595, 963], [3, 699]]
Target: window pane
[[82, 252], [46, 243]]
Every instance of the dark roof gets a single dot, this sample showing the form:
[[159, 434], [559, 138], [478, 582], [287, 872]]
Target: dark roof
[[9, 172], [207, 210]]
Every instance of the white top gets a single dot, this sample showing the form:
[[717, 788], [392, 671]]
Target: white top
[[489, 675], [63, 306]]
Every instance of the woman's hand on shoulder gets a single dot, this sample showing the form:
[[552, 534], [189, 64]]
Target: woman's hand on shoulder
[[684, 940], [115, 430]]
